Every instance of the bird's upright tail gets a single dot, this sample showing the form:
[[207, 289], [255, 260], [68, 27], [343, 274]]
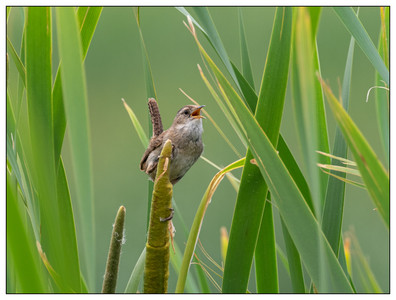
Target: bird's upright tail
[[155, 117]]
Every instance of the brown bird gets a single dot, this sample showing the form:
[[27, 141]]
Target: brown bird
[[186, 136]]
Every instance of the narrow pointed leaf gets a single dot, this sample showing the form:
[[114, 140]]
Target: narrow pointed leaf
[[252, 193], [246, 67], [209, 30], [340, 169], [88, 18], [373, 172], [356, 28], [343, 160], [136, 275], [17, 61], [8, 12], [308, 104], [76, 108], [150, 93], [302, 225], [138, 127], [197, 223], [22, 257], [295, 266], [53, 237], [381, 95]]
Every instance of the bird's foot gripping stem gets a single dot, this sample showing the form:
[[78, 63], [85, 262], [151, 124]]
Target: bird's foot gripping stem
[[170, 216]]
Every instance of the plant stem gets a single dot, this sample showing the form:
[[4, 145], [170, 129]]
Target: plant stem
[[110, 280], [156, 269]]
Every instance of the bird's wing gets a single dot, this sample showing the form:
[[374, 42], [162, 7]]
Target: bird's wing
[[155, 142]]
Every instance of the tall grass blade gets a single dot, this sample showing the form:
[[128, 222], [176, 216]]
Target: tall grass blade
[[38, 83], [11, 126], [214, 38], [23, 261], [197, 223], [17, 61], [246, 67], [248, 90], [340, 169], [8, 12], [295, 266], [249, 208], [293, 256], [88, 18], [365, 272], [308, 103], [138, 127], [352, 23], [302, 225], [21, 88], [381, 95], [342, 178], [150, 93], [265, 254], [295, 172], [176, 257], [314, 14], [203, 281], [373, 172], [209, 30], [66, 220], [282, 147], [76, 108], [343, 160], [136, 275]]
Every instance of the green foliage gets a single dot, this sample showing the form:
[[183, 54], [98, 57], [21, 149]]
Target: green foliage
[[197, 223], [351, 22], [249, 209], [382, 94], [150, 93], [373, 172], [34, 154], [76, 108], [23, 258], [291, 205], [45, 211], [334, 202], [308, 103]]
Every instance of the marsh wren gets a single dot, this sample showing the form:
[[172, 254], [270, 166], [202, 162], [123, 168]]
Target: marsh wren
[[186, 136]]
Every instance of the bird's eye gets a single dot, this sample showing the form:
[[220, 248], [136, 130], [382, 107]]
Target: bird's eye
[[186, 112]]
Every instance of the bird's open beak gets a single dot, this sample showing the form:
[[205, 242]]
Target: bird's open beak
[[196, 114]]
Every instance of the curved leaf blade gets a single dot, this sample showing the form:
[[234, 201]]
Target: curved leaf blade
[[356, 28], [197, 223], [372, 171], [250, 205], [302, 225], [309, 103], [76, 108]]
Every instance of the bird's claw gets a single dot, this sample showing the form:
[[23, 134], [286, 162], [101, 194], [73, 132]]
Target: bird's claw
[[170, 216]]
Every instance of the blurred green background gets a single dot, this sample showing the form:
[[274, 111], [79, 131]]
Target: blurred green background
[[114, 70]]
